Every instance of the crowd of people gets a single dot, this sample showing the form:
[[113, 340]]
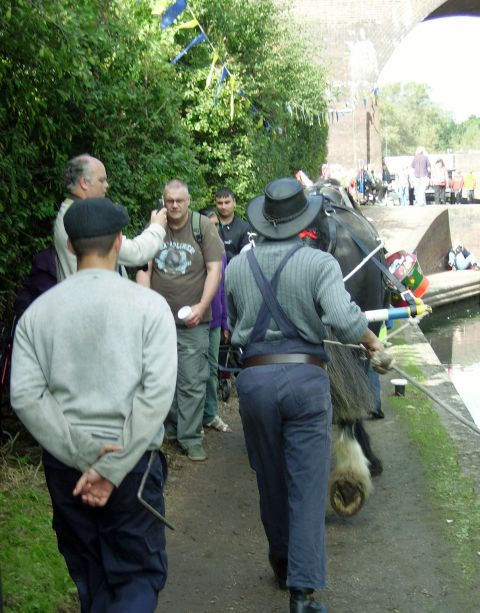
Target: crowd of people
[[104, 368], [414, 183]]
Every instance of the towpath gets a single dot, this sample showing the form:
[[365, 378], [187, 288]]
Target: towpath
[[391, 557]]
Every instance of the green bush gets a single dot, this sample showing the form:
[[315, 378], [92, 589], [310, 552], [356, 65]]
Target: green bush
[[97, 78]]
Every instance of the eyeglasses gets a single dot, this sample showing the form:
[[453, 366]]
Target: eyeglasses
[[171, 201]]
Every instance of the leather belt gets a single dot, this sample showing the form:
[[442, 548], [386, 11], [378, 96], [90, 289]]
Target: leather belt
[[284, 358]]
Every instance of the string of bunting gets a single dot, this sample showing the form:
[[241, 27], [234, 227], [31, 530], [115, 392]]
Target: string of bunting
[[296, 111]]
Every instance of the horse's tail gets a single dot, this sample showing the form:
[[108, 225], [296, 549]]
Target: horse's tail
[[352, 395]]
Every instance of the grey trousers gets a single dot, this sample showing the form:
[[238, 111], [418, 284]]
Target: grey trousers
[[186, 413]]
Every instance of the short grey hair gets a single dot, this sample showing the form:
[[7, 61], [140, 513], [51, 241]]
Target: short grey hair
[[77, 167]]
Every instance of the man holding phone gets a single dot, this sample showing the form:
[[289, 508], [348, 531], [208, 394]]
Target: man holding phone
[[86, 177]]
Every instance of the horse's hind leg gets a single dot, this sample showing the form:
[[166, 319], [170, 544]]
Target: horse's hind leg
[[350, 482], [360, 434]]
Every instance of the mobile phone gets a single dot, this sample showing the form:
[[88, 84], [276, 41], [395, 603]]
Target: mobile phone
[[160, 205]]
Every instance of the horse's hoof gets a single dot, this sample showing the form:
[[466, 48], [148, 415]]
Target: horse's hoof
[[346, 498]]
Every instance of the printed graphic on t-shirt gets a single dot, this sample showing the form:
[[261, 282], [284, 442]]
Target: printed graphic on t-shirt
[[175, 258]]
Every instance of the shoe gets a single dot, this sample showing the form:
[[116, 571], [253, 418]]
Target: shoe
[[217, 423], [377, 414], [196, 453], [279, 567], [303, 601]]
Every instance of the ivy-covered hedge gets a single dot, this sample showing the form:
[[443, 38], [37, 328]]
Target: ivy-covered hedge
[[96, 77]]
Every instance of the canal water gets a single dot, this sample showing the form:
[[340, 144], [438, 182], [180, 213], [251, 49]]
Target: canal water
[[453, 332]]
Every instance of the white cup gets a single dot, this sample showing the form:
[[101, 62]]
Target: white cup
[[184, 313]]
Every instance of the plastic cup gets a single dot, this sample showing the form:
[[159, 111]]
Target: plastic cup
[[184, 313]]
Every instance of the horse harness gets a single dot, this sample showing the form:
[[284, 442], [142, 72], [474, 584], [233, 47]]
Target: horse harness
[[329, 210]]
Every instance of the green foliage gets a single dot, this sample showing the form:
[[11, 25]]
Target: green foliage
[[96, 77], [409, 118], [34, 575], [269, 68], [468, 135]]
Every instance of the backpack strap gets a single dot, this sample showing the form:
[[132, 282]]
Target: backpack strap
[[196, 228]]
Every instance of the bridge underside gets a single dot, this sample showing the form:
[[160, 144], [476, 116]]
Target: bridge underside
[[456, 8]]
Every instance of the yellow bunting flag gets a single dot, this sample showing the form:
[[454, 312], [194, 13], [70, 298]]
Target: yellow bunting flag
[[212, 68], [187, 25]]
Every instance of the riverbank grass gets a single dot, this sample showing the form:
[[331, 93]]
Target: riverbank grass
[[453, 491], [34, 575]]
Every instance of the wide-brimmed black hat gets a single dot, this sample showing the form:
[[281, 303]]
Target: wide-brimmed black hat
[[284, 210], [94, 217]]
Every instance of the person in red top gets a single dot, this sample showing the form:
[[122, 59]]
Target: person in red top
[[457, 186]]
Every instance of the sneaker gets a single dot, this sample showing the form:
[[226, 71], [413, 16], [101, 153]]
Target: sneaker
[[196, 453]]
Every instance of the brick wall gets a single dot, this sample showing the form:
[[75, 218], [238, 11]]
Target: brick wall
[[354, 40]]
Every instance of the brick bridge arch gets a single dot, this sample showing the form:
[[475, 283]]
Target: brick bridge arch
[[355, 40]]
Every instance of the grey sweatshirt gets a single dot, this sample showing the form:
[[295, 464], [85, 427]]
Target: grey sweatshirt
[[94, 362], [311, 292]]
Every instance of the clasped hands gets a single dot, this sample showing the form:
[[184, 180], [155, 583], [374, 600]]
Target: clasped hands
[[94, 489]]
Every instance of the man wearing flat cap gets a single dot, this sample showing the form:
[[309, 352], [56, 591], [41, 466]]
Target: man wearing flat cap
[[86, 177], [93, 376], [281, 297]]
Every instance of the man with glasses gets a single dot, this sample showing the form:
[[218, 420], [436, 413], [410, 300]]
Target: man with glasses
[[187, 271]]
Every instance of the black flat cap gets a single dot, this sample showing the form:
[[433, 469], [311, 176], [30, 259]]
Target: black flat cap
[[94, 217]]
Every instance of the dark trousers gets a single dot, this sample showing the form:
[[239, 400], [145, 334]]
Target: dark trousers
[[439, 191], [114, 554], [286, 416]]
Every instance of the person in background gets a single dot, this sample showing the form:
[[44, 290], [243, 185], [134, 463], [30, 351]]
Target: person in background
[[86, 177], [421, 171], [93, 376], [218, 332], [459, 258], [234, 231], [469, 185], [187, 271], [403, 183], [439, 181], [457, 186]]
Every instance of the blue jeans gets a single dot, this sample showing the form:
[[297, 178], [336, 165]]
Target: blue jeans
[[287, 419]]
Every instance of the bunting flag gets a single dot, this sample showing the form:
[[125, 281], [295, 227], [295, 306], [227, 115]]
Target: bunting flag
[[223, 76], [187, 25], [212, 68], [232, 93], [297, 111], [198, 39], [173, 12]]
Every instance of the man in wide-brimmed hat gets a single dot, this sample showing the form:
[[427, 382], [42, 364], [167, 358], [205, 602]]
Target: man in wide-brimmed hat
[[281, 297]]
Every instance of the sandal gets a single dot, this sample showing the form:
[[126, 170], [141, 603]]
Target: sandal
[[218, 424]]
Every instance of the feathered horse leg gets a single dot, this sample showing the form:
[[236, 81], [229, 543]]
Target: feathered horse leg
[[353, 460]]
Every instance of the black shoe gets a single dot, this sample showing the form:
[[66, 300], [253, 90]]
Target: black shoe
[[377, 414], [302, 601], [279, 567]]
